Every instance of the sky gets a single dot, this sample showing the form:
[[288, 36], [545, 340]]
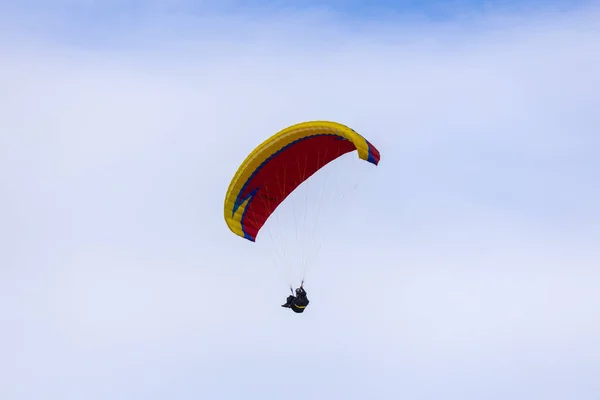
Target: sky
[[464, 266]]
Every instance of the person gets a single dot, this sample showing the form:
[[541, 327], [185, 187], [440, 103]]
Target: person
[[299, 302]]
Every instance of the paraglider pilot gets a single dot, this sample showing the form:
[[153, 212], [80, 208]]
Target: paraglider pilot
[[299, 302]]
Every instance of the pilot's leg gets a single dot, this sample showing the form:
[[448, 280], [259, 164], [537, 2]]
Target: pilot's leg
[[289, 301]]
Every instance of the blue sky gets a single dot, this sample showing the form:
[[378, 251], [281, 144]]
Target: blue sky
[[98, 23], [431, 8], [465, 266]]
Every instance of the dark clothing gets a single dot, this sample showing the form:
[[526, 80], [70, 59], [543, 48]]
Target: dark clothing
[[297, 303]]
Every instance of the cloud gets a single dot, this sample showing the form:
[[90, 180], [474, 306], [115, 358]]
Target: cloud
[[464, 265]]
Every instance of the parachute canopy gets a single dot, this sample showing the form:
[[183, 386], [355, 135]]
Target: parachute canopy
[[280, 164]]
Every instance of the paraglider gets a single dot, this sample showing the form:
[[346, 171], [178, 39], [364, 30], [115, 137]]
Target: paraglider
[[274, 169], [298, 302]]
